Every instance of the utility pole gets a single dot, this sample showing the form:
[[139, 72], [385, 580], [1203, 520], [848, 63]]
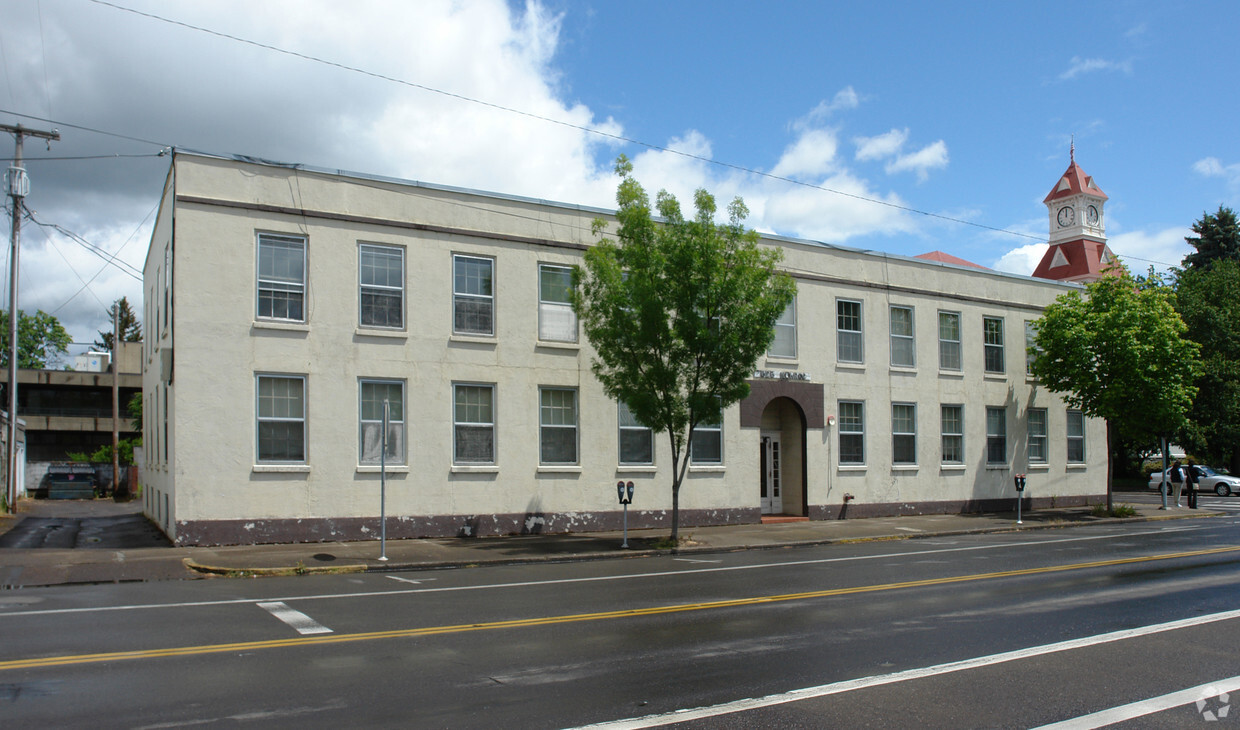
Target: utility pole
[[117, 492], [18, 188]]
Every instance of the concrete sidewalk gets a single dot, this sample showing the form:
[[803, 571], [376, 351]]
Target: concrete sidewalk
[[27, 567]]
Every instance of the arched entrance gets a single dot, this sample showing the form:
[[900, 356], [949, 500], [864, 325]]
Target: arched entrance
[[781, 487]]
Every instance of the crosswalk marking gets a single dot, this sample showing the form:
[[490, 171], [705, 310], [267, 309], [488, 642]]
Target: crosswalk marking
[[298, 620]]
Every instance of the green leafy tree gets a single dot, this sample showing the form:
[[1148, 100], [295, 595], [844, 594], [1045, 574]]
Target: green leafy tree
[[41, 340], [678, 312], [1208, 299], [1217, 239], [1120, 353], [130, 325]]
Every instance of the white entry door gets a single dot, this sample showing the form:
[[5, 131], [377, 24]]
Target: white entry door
[[772, 503]]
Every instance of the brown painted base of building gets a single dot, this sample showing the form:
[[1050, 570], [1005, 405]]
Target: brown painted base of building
[[347, 529]]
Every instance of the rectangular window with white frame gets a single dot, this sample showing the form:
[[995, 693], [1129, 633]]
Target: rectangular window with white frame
[[281, 419], [473, 295], [903, 347], [849, 344], [706, 446], [785, 342], [473, 424], [557, 426], [1076, 437], [1037, 435], [557, 322], [636, 440], [951, 420], [281, 277], [904, 433], [992, 331], [381, 286], [996, 435], [1031, 346], [852, 432], [371, 395], [949, 341]]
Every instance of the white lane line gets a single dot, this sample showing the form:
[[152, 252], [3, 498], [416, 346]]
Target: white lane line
[[909, 529], [1033, 542], [754, 703], [695, 560], [1200, 695], [415, 581], [298, 620]]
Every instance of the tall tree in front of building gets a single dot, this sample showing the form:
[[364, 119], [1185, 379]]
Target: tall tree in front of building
[[1217, 239], [41, 340], [678, 311], [130, 325], [1119, 352], [1208, 299]]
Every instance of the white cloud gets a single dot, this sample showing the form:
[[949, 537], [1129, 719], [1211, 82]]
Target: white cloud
[[1213, 167], [845, 98], [811, 155], [1021, 260], [881, 146], [930, 157], [1078, 66]]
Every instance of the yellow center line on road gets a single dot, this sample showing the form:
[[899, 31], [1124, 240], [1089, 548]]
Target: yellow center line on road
[[318, 640]]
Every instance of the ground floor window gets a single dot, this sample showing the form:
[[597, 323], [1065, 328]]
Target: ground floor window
[[557, 425], [1076, 437], [473, 424], [371, 396], [903, 433], [636, 440], [281, 418], [996, 436], [706, 447], [951, 420], [852, 432], [1037, 435]]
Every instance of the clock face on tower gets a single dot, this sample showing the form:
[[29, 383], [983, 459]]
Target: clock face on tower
[[1066, 216], [1091, 215]]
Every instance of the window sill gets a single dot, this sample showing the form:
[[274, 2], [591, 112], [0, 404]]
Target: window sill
[[474, 469], [854, 366], [1038, 467], [280, 469], [566, 469], [647, 469], [264, 324], [852, 467], [998, 467], [1076, 467], [473, 339], [374, 469], [552, 345], [776, 361], [997, 377], [953, 467], [708, 469], [389, 334], [957, 374], [904, 467], [903, 370]]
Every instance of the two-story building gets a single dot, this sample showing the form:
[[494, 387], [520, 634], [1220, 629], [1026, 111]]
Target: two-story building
[[285, 306]]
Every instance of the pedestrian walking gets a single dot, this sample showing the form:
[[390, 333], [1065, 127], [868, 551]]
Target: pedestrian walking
[[1177, 482], [1190, 483]]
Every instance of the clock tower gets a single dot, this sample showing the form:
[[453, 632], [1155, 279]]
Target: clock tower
[[1078, 250]]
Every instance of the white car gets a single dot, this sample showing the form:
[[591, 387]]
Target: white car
[[1208, 480]]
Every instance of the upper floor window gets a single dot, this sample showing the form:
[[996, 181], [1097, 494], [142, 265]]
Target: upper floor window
[[372, 394], [557, 420], [636, 440], [848, 331], [852, 432], [556, 320], [1037, 435], [992, 328], [949, 340], [281, 418], [902, 344], [1031, 346], [281, 277], [996, 435], [785, 342], [1076, 437], [904, 433], [951, 420], [381, 286], [473, 300]]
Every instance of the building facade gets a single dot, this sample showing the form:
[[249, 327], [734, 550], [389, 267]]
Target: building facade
[[286, 306]]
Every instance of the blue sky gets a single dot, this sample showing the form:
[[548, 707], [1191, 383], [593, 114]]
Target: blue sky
[[961, 110]]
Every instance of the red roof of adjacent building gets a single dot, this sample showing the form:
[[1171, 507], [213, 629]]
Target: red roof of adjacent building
[[946, 258], [1073, 182]]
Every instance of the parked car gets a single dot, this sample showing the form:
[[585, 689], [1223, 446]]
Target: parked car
[[1208, 480]]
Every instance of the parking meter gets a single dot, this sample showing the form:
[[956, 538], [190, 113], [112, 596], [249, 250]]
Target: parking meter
[[1020, 493], [1020, 482], [624, 491]]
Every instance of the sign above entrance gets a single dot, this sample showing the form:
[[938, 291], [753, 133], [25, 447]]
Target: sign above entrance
[[780, 375]]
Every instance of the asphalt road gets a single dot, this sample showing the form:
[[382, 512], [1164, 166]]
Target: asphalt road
[[862, 635]]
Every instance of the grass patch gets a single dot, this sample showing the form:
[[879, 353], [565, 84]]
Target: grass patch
[[1120, 510]]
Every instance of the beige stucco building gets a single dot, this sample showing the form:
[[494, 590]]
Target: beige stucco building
[[285, 305]]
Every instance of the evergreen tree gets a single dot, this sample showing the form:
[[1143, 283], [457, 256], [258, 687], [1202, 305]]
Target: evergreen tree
[[1217, 239], [131, 327]]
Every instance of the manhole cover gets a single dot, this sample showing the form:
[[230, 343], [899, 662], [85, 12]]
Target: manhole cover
[[325, 557]]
